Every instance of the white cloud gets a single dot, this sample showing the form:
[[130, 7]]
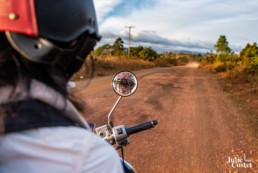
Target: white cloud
[[103, 7], [188, 23]]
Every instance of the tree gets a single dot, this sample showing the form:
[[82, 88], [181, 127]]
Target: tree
[[118, 46], [249, 51], [148, 54], [103, 50], [134, 51], [250, 55], [222, 46]]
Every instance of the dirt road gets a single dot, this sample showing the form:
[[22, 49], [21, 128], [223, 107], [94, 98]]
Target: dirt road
[[199, 129]]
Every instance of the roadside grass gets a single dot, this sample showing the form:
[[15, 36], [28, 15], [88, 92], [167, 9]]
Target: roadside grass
[[241, 85], [113, 64], [243, 89], [102, 66], [108, 64]]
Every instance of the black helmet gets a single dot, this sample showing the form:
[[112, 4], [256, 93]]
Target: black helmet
[[57, 32]]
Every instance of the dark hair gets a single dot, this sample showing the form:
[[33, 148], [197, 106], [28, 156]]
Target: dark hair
[[16, 70]]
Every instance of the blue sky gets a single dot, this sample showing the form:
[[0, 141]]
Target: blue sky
[[174, 25]]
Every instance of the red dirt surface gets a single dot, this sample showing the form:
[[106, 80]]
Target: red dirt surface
[[199, 128]]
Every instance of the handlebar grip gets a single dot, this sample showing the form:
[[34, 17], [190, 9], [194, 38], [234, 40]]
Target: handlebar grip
[[140, 127]]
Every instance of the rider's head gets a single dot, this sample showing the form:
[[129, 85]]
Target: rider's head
[[58, 34], [42, 44]]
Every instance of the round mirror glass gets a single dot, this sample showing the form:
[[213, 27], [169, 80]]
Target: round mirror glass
[[124, 83]]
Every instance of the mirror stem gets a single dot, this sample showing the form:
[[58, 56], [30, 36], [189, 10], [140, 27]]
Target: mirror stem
[[110, 125], [113, 108]]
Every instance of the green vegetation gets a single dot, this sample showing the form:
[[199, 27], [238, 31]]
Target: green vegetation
[[110, 58], [107, 57], [226, 61], [238, 76], [117, 49], [222, 46]]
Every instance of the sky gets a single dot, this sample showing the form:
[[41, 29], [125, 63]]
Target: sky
[[178, 25]]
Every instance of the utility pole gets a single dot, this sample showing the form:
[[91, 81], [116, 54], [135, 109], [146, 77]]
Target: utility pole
[[129, 38]]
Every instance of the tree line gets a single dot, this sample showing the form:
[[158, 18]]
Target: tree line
[[118, 49], [144, 53], [225, 59]]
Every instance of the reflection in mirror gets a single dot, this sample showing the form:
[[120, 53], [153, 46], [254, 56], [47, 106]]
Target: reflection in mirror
[[124, 83]]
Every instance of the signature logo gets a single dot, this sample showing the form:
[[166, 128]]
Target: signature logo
[[239, 162]]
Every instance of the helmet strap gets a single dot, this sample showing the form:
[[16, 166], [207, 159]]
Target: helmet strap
[[33, 49]]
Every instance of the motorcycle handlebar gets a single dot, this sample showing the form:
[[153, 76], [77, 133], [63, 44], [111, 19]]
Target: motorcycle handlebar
[[140, 127]]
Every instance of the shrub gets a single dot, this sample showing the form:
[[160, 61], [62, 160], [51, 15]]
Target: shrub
[[254, 62], [219, 67], [165, 62]]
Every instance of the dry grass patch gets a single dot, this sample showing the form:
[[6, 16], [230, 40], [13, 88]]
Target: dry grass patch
[[242, 88], [110, 65]]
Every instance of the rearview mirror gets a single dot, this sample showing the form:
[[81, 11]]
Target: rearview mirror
[[124, 83]]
